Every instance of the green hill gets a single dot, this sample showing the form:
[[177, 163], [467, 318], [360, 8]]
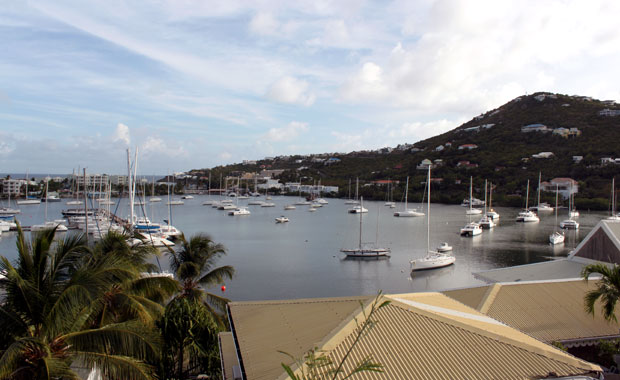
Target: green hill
[[501, 153]]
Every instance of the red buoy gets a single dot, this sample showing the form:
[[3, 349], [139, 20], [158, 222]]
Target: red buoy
[[223, 288]]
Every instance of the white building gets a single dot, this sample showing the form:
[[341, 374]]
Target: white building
[[565, 186], [12, 186]]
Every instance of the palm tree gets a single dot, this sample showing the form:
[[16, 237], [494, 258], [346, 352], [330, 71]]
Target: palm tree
[[47, 311], [194, 266], [607, 289]]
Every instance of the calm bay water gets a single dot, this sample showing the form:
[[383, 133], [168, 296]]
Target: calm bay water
[[301, 259]]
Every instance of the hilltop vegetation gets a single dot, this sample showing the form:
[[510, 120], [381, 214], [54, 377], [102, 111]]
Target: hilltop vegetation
[[500, 152]]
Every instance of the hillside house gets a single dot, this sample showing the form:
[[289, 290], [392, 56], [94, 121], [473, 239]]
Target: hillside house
[[543, 155], [468, 146], [425, 164], [565, 186], [466, 165], [535, 128], [608, 112], [607, 160], [577, 159], [439, 148], [332, 160]]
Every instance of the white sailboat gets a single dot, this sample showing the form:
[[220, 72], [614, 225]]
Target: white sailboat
[[614, 216], [27, 200], [492, 213], [365, 250], [556, 237], [570, 223], [542, 207], [75, 201], [359, 208], [471, 210], [8, 210], [154, 198], [527, 215], [433, 259], [486, 222], [407, 212], [351, 201]]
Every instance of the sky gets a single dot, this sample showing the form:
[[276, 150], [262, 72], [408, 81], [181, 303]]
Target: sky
[[195, 84]]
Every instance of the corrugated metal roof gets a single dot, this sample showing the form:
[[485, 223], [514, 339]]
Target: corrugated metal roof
[[264, 328], [418, 336], [548, 270], [548, 311], [228, 354]]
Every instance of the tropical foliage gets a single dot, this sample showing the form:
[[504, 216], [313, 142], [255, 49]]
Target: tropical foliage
[[607, 289], [67, 305]]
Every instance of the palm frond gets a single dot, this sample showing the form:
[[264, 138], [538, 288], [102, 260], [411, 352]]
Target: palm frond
[[117, 366], [217, 276]]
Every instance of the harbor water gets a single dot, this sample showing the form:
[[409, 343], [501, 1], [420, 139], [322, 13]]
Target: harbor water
[[301, 258]]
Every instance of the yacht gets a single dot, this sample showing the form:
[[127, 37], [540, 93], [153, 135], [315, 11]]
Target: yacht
[[145, 225], [48, 225], [155, 199], [486, 222], [433, 259], [542, 206], [209, 202], [569, 224], [256, 203], [187, 197], [175, 203], [29, 201], [556, 238], [444, 247], [169, 231], [268, 204], [282, 219], [9, 211], [365, 250], [471, 229], [351, 201], [289, 207], [226, 206], [321, 201], [471, 210], [239, 211]]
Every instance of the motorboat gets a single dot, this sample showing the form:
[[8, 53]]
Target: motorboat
[[51, 198], [527, 216], [473, 211], [282, 219], [169, 231], [256, 203], [556, 238], [389, 204], [48, 225], [486, 222], [321, 201], [357, 210], [209, 202], [268, 204], [155, 199], [9, 211], [28, 201], [303, 203], [433, 259], [471, 229], [187, 197], [145, 225], [493, 215], [475, 202], [569, 224], [239, 211], [226, 207], [444, 247], [573, 213], [543, 207], [290, 207]]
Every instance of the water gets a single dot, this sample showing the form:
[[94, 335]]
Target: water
[[301, 259]]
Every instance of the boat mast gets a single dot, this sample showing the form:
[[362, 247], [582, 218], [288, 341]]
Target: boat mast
[[357, 185], [539, 174], [361, 213], [556, 207], [471, 185], [406, 193], [428, 212], [47, 187], [485, 197], [527, 194], [85, 207]]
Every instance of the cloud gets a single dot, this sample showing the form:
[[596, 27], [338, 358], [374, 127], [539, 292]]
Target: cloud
[[263, 23], [225, 156], [287, 133], [122, 134], [157, 146], [291, 90]]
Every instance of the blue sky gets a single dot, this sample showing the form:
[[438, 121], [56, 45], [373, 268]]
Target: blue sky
[[196, 84]]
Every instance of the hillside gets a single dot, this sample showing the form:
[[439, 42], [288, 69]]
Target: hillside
[[500, 152]]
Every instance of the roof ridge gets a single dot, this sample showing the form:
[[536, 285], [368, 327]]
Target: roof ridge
[[489, 297]]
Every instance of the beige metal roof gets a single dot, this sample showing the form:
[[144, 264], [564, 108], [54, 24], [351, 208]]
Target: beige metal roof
[[418, 336], [548, 311], [264, 328], [228, 354], [548, 270]]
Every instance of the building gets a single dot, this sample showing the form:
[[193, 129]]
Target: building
[[270, 184], [565, 186], [468, 146], [425, 164], [577, 159], [12, 186], [535, 128], [543, 155], [608, 112], [416, 335]]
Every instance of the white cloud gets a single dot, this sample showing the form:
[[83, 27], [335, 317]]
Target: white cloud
[[287, 133], [225, 156], [157, 146], [122, 134], [264, 23], [291, 90]]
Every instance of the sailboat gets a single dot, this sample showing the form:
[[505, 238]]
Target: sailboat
[[492, 213], [365, 250], [8, 210], [47, 225], [351, 201], [613, 216], [433, 259], [359, 208], [407, 212], [153, 197], [75, 201], [570, 223], [471, 210], [527, 215], [27, 200], [542, 207], [572, 211], [389, 202], [556, 237], [486, 222]]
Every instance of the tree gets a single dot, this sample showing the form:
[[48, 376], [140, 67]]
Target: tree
[[194, 266], [47, 313], [607, 289]]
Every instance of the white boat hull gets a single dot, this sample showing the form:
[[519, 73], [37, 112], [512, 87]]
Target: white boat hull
[[432, 261], [556, 238], [408, 213]]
